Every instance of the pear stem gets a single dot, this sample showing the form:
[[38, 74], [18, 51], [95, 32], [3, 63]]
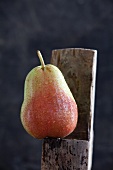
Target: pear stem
[[41, 59]]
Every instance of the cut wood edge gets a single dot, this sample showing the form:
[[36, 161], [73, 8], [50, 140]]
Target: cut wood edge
[[92, 98]]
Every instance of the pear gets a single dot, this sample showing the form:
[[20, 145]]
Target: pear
[[49, 108]]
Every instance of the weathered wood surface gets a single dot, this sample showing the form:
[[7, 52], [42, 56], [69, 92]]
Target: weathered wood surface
[[79, 69], [59, 154]]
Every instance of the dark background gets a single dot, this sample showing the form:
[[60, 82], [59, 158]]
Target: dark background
[[28, 25]]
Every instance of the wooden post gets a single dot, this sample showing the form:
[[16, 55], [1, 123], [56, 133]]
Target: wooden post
[[75, 151]]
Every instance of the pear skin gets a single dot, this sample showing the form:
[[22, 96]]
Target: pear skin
[[49, 108]]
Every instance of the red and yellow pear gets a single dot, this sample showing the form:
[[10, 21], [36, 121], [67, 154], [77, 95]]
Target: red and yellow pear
[[49, 108]]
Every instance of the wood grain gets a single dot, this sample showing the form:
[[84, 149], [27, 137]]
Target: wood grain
[[59, 154]]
